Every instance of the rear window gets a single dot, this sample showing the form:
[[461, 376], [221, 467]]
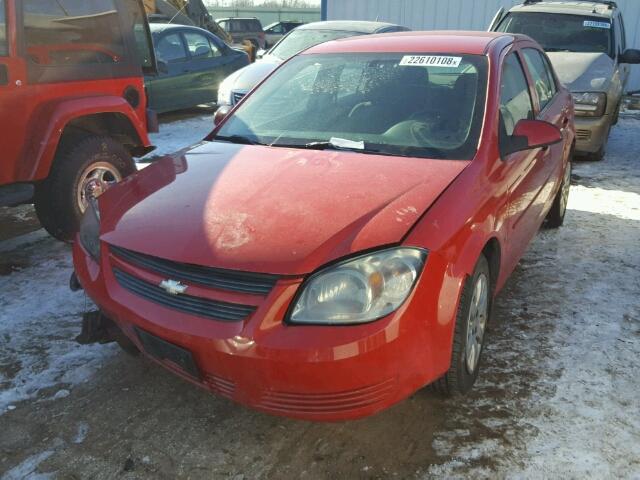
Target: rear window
[[245, 26], [562, 32], [299, 40], [3, 29], [68, 32]]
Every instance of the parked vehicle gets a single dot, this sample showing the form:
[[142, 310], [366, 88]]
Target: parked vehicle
[[192, 13], [242, 29], [72, 103], [275, 31], [337, 242], [236, 86], [191, 65], [587, 45]]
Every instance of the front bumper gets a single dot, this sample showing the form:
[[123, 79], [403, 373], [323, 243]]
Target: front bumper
[[308, 372], [591, 133]]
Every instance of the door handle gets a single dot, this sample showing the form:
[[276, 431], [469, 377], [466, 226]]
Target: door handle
[[4, 75]]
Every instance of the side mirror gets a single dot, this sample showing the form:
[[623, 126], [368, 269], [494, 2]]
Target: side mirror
[[530, 134], [163, 67], [261, 53], [630, 56], [220, 114]]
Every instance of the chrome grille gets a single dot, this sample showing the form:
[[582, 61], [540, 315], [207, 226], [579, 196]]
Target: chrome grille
[[199, 306], [231, 280], [237, 96]]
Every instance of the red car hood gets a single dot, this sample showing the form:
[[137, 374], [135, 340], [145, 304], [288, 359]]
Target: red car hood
[[267, 209]]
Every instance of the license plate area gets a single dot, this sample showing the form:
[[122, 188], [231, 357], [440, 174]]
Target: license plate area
[[165, 351]]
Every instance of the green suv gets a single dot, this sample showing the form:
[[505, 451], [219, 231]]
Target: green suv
[[586, 43]]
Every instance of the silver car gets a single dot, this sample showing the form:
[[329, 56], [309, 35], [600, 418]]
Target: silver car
[[238, 84]]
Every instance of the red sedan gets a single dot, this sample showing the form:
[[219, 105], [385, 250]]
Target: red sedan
[[337, 241]]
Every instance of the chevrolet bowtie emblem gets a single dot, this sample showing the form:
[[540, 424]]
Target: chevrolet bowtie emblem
[[173, 287]]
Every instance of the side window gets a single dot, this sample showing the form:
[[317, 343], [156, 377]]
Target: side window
[[171, 49], [224, 25], [68, 32], [3, 30], [543, 81], [200, 47], [515, 99], [623, 35], [277, 29]]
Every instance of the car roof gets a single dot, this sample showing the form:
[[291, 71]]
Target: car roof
[[359, 26], [161, 27], [235, 18], [446, 41], [595, 9]]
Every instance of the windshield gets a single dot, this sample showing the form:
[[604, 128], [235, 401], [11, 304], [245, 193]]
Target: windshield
[[561, 32], [397, 104], [299, 40]]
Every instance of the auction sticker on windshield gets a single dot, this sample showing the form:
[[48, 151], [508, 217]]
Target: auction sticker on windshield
[[430, 61], [590, 23]]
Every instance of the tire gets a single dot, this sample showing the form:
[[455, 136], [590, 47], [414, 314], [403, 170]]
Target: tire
[[555, 217], [463, 373], [60, 200]]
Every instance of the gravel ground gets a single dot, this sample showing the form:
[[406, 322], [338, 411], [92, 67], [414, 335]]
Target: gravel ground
[[557, 397]]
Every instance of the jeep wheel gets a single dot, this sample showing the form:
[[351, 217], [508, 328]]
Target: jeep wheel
[[81, 170]]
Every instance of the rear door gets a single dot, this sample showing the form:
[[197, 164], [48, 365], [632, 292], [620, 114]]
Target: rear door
[[169, 89]]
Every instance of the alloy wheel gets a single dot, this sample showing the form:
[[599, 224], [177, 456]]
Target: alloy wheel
[[477, 322], [96, 179]]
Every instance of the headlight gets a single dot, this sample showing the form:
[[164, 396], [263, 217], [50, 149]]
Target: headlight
[[590, 104], [224, 93], [90, 230], [359, 290]]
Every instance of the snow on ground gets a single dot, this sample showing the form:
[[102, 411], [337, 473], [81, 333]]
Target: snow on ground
[[180, 130], [583, 419], [39, 319]]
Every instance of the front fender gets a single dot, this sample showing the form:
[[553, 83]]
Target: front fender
[[51, 118]]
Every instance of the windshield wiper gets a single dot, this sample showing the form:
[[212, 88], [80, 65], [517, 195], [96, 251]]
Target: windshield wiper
[[237, 139]]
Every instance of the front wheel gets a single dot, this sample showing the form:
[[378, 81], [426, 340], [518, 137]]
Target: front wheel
[[81, 170], [468, 340]]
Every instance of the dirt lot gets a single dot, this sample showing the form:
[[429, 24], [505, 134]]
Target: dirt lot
[[558, 394]]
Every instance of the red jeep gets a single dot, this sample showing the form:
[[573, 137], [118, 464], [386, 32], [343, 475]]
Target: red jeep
[[72, 102]]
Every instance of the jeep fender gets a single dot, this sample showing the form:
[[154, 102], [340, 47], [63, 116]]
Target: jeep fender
[[49, 122]]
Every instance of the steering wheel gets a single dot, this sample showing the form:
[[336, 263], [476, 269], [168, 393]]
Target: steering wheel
[[357, 107]]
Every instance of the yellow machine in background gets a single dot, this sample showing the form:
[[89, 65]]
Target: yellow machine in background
[[192, 12]]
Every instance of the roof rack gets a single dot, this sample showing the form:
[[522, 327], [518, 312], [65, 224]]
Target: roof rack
[[610, 3]]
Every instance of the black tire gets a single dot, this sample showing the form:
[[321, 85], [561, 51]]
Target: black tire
[[459, 379], [56, 198], [555, 217]]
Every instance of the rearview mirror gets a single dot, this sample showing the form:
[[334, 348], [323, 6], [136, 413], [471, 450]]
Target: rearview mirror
[[530, 134], [630, 56], [220, 114]]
